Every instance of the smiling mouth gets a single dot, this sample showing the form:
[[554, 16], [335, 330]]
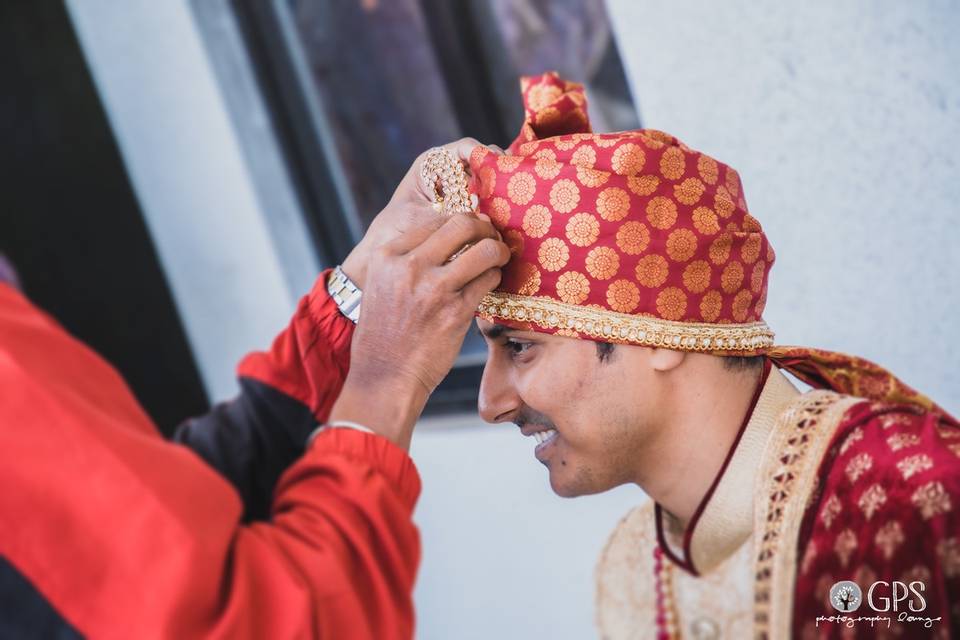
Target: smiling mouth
[[545, 436]]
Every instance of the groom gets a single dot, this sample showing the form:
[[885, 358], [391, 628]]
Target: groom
[[627, 338]]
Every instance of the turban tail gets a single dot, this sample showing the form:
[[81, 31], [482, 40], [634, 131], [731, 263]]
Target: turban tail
[[633, 237]]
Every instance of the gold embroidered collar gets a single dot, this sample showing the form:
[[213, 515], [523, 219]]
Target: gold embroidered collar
[[725, 517]]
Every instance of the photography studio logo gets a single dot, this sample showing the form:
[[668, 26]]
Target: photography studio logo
[[890, 602], [846, 596]]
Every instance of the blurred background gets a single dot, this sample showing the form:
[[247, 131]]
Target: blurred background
[[175, 175]]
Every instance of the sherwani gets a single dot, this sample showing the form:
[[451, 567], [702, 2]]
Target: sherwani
[[818, 488]]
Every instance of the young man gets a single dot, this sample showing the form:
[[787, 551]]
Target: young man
[[627, 337]]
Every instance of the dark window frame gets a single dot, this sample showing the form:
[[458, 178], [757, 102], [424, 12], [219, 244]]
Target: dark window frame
[[485, 108]]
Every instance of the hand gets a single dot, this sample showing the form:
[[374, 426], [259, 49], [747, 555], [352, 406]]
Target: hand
[[410, 205], [417, 308]]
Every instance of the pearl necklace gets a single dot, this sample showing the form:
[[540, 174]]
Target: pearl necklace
[[667, 619]]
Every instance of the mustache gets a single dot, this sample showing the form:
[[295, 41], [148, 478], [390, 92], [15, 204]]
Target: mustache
[[528, 415]]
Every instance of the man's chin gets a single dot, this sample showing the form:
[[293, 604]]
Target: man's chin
[[564, 488]]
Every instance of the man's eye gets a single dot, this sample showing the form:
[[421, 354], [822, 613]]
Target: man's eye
[[518, 348]]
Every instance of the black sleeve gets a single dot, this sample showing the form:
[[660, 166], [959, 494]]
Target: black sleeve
[[251, 440], [25, 612]]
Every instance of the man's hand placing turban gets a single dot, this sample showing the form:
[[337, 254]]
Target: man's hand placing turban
[[417, 308], [410, 206]]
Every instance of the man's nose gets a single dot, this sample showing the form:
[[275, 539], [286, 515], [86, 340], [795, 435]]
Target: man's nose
[[498, 399]]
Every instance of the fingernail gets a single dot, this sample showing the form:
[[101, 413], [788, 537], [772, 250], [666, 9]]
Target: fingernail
[[483, 217]]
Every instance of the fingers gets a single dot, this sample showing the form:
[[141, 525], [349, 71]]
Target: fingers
[[485, 255], [458, 230], [420, 221], [480, 286], [462, 148]]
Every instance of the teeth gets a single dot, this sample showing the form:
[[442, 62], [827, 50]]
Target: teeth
[[543, 436]]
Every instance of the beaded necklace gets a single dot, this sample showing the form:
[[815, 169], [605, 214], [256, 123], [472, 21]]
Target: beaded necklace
[[667, 619]]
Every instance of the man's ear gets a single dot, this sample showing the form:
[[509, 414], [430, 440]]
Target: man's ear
[[664, 360]]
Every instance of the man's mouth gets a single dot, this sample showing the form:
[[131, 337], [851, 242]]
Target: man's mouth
[[545, 436], [541, 428]]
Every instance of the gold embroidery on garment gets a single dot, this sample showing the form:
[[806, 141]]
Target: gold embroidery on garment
[[859, 465], [893, 420], [913, 465], [855, 436], [948, 551], [831, 509], [727, 519], [903, 440], [752, 586], [931, 500], [620, 327], [871, 500], [788, 474], [889, 537], [845, 545]]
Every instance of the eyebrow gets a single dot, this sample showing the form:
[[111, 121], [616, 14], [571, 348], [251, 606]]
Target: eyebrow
[[496, 331]]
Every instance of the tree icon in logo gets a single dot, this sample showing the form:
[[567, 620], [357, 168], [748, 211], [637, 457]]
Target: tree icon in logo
[[846, 596]]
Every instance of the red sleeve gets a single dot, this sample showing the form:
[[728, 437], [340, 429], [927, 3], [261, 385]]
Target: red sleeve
[[886, 510], [309, 360], [127, 535], [284, 392]]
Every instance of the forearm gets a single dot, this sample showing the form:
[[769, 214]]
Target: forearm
[[387, 404]]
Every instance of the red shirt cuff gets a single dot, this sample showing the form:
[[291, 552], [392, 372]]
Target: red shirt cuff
[[308, 360], [376, 452]]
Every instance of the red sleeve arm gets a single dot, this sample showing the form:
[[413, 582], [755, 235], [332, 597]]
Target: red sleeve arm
[[284, 392], [129, 536], [309, 360]]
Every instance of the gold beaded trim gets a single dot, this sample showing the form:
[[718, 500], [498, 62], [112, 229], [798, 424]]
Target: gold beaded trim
[[445, 175], [800, 439], [621, 327]]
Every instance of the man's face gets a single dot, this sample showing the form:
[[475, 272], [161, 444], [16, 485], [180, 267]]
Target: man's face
[[599, 410]]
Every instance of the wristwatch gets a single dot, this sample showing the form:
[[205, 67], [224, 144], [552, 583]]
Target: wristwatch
[[344, 293]]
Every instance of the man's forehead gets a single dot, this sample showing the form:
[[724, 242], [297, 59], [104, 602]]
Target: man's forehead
[[493, 330]]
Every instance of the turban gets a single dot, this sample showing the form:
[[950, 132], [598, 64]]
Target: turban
[[635, 238]]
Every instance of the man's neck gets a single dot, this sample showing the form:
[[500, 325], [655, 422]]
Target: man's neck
[[693, 446]]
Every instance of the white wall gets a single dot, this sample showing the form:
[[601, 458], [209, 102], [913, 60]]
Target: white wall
[[503, 556], [236, 260], [844, 122], [843, 119]]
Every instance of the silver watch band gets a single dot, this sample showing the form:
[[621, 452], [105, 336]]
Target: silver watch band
[[346, 294]]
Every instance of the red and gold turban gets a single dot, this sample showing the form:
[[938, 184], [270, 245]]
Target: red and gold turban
[[635, 238]]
